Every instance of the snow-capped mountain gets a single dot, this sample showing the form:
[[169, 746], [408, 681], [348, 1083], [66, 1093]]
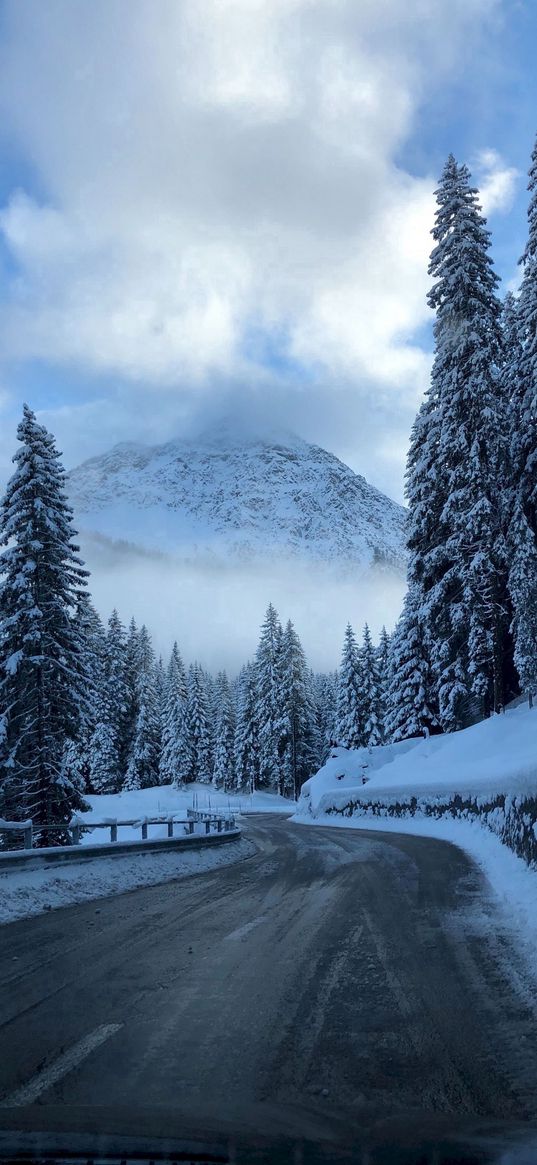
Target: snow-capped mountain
[[228, 498]]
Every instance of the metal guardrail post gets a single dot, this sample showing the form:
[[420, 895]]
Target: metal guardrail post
[[215, 822]]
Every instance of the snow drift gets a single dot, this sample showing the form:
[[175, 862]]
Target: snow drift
[[486, 774]]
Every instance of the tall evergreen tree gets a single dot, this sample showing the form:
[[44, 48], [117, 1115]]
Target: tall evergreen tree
[[269, 709], [224, 747], [410, 707], [120, 685], [325, 693], [104, 771], [247, 732], [78, 756], [525, 443], [383, 670], [198, 752], [511, 353], [174, 747], [458, 454], [297, 740], [369, 693], [211, 697], [143, 767], [43, 681], [132, 651], [520, 374], [523, 588], [349, 723]]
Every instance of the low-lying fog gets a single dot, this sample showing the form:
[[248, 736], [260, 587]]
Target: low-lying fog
[[215, 610]]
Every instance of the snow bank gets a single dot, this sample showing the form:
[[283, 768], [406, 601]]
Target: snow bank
[[498, 755], [27, 892]]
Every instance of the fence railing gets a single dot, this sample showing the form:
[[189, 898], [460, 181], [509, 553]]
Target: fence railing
[[78, 826], [25, 827]]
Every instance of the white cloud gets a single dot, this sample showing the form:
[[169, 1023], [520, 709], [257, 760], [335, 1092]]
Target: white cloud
[[498, 181], [217, 167]]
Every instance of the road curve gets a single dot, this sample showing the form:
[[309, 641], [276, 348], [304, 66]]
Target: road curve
[[335, 982]]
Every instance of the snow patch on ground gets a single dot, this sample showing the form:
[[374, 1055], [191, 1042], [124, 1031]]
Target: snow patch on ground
[[163, 801], [28, 892]]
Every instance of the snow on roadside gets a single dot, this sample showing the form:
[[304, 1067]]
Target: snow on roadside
[[496, 755], [24, 893], [164, 800]]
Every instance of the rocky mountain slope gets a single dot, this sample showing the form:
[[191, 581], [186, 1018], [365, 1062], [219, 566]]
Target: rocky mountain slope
[[227, 499]]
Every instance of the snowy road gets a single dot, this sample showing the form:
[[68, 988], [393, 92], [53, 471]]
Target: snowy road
[[335, 982]]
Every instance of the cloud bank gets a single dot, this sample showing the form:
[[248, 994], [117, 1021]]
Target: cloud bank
[[218, 207], [207, 209]]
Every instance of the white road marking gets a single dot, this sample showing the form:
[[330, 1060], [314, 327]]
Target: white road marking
[[242, 931], [65, 1063]]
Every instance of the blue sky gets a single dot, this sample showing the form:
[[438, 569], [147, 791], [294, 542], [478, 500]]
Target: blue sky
[[215, 207]]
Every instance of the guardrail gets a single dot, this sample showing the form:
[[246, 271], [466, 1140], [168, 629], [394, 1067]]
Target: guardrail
[[77, 826]]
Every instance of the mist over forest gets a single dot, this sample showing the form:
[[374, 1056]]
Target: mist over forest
[[214, 611]]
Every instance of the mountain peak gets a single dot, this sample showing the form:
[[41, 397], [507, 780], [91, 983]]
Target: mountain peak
[[230, 432], [233, 493]]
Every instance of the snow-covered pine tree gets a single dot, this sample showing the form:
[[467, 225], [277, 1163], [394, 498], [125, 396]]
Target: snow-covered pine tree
[[74, 768], [92, 762], [410, 706], [511, 349], [369, 693], [520, 374], [132, 648], [172, 768], [120, 677], [143, 766], [269, 708], [247, 732], [104, 770], [160, 681], [349, 721], [298, 735], [383, 670], [525, 443], [78, 756], [427, 487], [43, 681], [523, 588], [512, 390], [224, 746], [458, 455], [317, 736], [211, 696], [325, 693], [198, 753]]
